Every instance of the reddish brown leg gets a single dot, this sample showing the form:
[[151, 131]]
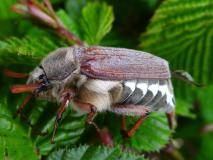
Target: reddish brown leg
[[23, 117], [170, 116], [61, 110], [104, 134], [90, 119], [23, 105], [123, 125], [92, 113], [128, 134]]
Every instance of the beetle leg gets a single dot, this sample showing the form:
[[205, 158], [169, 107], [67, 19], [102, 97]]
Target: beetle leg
[[24, 103], [104, 134], [139, 110], [92, 112], [61, 110], [91, 116], [170, 117], [123, 125], [130, 133]]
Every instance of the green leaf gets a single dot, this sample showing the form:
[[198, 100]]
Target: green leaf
[[68, 22], [8, 19], [69, 130], [206, 103], [5, 9], [183, 108], [15, 144], [96, 21], [152, 135], [182, 33], [206, 147], [28, 50], [93, 153], [74, 8]]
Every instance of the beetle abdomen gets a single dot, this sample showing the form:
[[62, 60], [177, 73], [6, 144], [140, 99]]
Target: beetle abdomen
[[154, 94]]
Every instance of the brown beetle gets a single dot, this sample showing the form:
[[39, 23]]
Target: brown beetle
[[97, 79]]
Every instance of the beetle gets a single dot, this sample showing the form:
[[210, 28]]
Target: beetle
[[97, 79]]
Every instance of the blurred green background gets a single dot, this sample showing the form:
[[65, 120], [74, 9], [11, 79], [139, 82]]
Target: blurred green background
[[179, 31]]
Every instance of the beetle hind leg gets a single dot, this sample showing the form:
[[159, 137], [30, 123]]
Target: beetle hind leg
[[123, 126], [170, 119], [129, 133]]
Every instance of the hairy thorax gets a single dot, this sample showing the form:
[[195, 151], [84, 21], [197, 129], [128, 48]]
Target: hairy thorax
[[101, 94]]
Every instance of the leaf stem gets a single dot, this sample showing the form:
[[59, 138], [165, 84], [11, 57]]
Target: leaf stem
[[44, 12]]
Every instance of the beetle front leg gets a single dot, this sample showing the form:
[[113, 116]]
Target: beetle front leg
[[68, 95]]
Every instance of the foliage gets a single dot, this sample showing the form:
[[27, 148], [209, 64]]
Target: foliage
[[96, 21], [14, 141], [182, 33], [179, 31], [93, 153]]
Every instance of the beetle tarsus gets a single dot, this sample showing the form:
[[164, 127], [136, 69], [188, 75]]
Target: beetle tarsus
[[106, 137]]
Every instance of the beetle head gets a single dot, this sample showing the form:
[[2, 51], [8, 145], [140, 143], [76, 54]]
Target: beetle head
[[55, 71]]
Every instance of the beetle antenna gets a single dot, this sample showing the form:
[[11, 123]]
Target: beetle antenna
[[24, 88], [12, 74]]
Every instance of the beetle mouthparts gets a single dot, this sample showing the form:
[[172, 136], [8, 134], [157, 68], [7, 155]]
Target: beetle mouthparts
[[24, 88]]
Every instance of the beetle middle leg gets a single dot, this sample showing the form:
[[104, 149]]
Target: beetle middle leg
[[104, 134], [92, 112]]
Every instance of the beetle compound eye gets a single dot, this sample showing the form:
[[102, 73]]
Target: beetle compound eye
[[41, 77]]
